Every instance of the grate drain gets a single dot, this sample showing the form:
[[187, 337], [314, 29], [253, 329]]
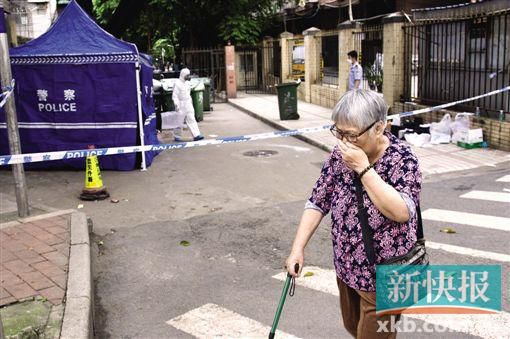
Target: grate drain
[[262, 153]]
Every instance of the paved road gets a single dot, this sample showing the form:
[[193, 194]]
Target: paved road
[[224, 280], [239, 215]]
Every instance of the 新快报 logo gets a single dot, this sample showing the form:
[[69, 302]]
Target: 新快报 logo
[[474, 289]]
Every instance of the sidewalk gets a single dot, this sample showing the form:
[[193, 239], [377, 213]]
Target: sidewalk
[[438, 159], [34, 264]]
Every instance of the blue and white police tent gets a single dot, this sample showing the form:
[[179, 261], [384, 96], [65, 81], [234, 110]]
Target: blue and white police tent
[[77, 85]]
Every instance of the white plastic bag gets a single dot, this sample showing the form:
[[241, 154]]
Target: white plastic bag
[[460, 126], [418, 140], [440, 132], [171, 120]]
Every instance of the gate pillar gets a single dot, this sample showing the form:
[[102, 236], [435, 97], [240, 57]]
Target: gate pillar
[[230, 66]]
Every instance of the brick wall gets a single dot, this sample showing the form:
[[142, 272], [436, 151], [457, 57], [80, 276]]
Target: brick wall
[[496, 133], [325, 96], [393, 52]]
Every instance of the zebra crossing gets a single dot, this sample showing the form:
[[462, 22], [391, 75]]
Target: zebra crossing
[[214, 321], [483, 221], [482, 325]]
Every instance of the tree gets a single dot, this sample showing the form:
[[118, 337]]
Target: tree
[[163, 47], [87, 5], [186, 23]]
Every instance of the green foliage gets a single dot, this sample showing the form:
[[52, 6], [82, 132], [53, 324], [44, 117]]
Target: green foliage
[[103, 9], [374, 76], [240, 29], [163, 46], [172, 24]]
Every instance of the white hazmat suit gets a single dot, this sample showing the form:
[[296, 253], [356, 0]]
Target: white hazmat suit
[[184, 105]]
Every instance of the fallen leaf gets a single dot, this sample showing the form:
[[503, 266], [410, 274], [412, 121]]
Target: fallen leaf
[[184, 243], [80, 206], [448, 230], [308, 274]]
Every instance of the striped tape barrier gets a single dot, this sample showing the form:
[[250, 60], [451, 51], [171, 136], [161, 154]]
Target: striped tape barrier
[[74, 154], [449, 104], [51, 156], [6, 94]]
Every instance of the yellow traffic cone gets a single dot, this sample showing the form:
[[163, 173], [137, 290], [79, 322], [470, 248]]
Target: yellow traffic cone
[[94, 189]]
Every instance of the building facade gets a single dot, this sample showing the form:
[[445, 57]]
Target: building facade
[[32, 17]]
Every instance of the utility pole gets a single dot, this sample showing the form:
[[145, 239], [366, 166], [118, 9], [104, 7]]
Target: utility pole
[[12, 120]]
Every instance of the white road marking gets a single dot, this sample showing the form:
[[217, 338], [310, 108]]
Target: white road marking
[[471, 219], [487, 326], [493, 326], [321, 280], [488, 196], [505, 178], [213, 321], [469, 251]]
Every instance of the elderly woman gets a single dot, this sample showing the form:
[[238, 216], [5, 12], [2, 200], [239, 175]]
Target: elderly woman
[[390, 176]]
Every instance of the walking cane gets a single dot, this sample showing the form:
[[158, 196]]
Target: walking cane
[[290, 279]]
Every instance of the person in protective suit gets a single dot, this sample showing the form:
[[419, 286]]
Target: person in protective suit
[[183, 104]]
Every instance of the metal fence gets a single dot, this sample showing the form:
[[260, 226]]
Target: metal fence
[[208, 62], [448, 60], [258, 68], [328, 70], [369, 44]]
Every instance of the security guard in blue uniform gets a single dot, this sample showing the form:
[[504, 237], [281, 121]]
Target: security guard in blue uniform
[[356, 72]]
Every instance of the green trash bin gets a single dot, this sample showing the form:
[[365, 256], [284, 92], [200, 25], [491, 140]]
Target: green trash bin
[[207, 91], [287, 100], [207, 94], [168, 102], [197, 96]]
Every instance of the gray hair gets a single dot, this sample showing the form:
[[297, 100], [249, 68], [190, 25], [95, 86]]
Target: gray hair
[[359, 108]]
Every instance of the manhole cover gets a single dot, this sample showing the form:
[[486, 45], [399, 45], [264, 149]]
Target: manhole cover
[[263, 153]]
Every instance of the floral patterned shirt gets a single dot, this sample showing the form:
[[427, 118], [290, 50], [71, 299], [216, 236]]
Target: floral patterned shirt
[[335, 191]]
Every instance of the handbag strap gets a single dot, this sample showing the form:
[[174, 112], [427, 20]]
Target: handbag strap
[[367, 232], [419, 231]]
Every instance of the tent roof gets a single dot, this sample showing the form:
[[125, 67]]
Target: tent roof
[[75, 34]]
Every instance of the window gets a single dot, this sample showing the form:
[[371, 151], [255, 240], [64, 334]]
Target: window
[[42, 9]]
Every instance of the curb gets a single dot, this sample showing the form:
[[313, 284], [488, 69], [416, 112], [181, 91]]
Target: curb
[[35, 218], [78, 314], [281, 127]]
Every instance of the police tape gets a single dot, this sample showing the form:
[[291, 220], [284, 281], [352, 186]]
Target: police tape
[[76, 154], [62, 155], [5, 95], [443, 106]]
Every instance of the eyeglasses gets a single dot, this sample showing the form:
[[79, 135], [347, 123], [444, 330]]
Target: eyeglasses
[[352, 138]]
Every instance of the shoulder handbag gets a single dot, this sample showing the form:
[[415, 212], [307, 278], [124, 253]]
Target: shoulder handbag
[[416, 256]]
